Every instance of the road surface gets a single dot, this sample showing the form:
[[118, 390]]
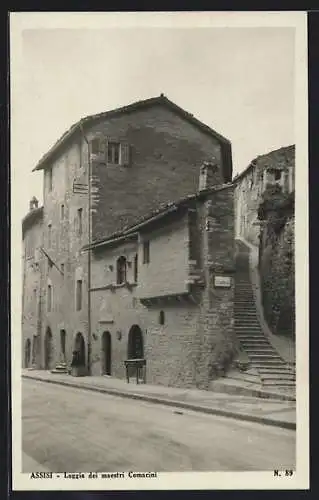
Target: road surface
[[73, 430]]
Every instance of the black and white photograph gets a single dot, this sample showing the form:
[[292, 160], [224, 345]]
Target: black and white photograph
[[159, 288]]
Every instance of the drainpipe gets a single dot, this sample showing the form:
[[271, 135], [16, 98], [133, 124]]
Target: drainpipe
[[89, 252]]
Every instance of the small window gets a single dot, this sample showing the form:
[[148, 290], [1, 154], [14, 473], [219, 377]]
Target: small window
[[62, 269], [121, 270], [277, 175], [79, 221], [62, 212], [95, 146], [161, 318], [50, 181], [49, 298], [135, 268], [79, 295], [113, 152], [49, 235], [146, 252]]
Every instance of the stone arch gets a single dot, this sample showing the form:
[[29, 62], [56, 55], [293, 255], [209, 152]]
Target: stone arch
[[48, 349], [27, 353], [135, 347], [106, 353], [79, 347]]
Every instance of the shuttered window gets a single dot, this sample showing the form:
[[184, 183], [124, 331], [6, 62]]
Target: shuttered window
[[114, 152], [125, 154]]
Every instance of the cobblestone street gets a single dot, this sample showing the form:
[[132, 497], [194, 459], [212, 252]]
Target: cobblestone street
[[68, 429]]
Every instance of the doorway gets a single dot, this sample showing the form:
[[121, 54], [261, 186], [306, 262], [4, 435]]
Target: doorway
[[48, 350], [106, 353], [79, 347], [62, 345], [135, 346], [27, 353]]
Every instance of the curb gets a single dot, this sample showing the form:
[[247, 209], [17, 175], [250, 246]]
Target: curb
[[251, 391], [175, 403]]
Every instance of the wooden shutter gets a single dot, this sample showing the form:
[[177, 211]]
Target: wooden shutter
[[125, 153]]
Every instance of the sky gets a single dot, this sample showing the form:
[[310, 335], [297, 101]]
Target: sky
[[239, 81]]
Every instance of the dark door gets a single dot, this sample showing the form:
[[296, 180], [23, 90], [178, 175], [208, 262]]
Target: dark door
[[27, 353], [48, 350], [135, 343], [107, 353]]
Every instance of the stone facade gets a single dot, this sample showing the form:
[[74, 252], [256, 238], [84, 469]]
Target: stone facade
[[276, 167], [142, 157], [185, 321], [277, 261], [32, 271]]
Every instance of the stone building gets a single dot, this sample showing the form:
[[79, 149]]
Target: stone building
[[32, 271], [275, 167], [141, 157], [163, 290]]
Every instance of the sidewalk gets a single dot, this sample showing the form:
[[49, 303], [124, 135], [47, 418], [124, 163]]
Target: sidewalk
[[267, 411]]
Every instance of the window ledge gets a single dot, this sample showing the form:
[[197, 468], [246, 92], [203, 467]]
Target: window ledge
[[114, 286]]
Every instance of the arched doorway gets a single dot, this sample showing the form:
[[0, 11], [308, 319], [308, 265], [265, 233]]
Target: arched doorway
[[79, 347], [106, 353], [62, 345], [48, 349], [135, 343], [27, 353]]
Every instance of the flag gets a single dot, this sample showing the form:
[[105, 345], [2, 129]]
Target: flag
[[50, 260]]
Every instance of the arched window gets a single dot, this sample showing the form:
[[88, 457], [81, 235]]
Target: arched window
[[121, 270], [161, 318]]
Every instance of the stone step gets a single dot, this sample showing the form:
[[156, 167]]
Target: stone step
[[268, 351], [243, 337], [272, 355], [247, 325], [288, 377], [271, 370], [282, 383], [259, 365]]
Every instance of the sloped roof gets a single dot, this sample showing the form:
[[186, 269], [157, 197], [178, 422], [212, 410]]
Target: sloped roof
[[264, 156], [136, 106], [161, 211], [31, 218]]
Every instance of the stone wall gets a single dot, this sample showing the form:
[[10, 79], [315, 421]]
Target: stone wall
[[32, 269], [195, 343], [166, 153], [250, 185], [214, 340], [277, 267]]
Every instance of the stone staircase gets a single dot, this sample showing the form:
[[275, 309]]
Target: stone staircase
[[274, 372]]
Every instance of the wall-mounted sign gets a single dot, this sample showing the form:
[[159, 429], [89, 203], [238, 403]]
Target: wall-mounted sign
[[222, 281]]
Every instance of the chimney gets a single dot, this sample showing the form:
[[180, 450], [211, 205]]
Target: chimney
[[207, 173], [33, 203]]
